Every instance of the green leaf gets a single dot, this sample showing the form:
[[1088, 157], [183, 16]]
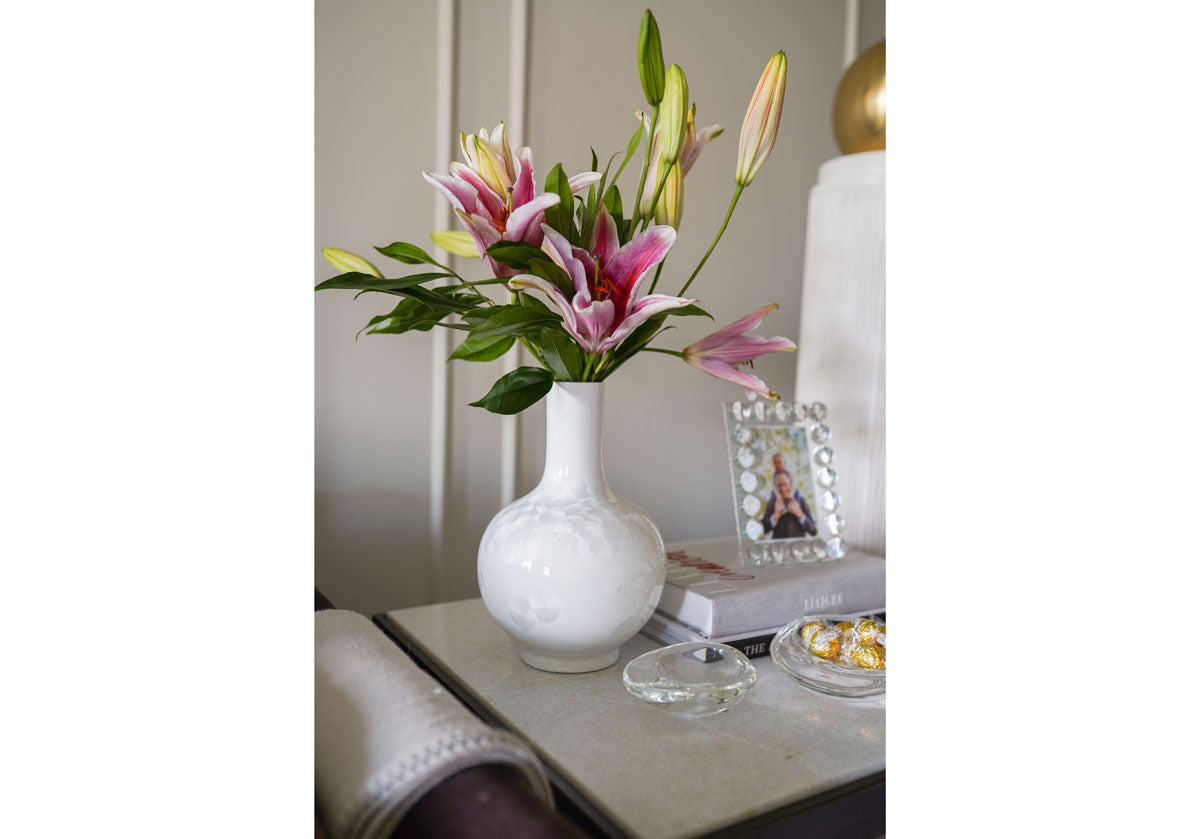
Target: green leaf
[[516, 391], [407, 253], [604, 177], [630, 150], [562, 353], [588, 213], [478, 316], [515, 254], [548, 270], [689, 310], [595, 160], [639, 338], [514, 320], [612, 200], [355, 279], [561, 217], [437, 299], [483, 349], [535, 303], [408, 314], [465, 294]]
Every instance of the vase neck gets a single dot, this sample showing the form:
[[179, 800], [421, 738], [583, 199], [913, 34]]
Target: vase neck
[[573, 433]]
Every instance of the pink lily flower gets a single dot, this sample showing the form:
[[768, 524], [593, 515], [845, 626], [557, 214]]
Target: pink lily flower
[[605, 308], [494, 196], [720, 353]]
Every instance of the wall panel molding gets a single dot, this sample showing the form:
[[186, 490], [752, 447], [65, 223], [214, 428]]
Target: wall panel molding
[[518, 98], [439, 443]]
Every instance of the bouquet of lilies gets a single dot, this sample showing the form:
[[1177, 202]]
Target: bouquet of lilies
[[573, 244]]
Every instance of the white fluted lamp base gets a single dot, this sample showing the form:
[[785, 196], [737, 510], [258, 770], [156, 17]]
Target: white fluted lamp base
[[841, 357]]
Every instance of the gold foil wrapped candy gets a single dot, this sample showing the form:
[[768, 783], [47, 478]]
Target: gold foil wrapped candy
[[845, 651], [869, 630], [868, 656], [809, 630], [861, 643], [824, 643]]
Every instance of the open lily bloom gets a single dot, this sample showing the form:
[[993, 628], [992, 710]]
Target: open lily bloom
[[494, 194], [605, 308], [721, 352]]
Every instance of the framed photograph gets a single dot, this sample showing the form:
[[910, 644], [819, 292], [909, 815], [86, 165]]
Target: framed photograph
[[784, 485]]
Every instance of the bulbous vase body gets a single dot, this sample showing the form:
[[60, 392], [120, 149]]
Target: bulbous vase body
[[572, 570]]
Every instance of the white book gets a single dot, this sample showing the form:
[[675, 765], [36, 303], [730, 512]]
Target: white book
[[708, 589]]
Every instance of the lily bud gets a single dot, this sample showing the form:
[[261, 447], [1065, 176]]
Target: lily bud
[[456, 242], [650, 60], [490, 156], [346, 262], [670, 203], [761, 125], [652, 170], [673, 117]]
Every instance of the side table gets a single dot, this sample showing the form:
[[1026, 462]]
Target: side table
[[783, 762]]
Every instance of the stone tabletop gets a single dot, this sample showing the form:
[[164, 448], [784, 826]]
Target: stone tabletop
[[650, 773]]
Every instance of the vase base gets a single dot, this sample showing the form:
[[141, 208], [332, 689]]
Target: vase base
[[560, 664]]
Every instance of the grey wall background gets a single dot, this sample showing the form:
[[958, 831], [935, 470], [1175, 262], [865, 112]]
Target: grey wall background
[[375, 102]]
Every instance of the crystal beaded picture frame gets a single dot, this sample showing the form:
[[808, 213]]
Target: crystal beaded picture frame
[[764, 439]]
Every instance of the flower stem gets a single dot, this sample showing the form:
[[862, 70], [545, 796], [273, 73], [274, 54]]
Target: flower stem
[[737, 193], [656, 273], [637, 196], [657, 195], [529, 345], [493, 281], [589, 366], [676, 353]]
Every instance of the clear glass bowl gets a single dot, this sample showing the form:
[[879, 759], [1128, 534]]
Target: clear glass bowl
[[695, 679], [792, 656]]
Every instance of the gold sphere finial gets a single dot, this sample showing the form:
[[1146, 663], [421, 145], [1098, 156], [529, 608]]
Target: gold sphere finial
[[860, 105]]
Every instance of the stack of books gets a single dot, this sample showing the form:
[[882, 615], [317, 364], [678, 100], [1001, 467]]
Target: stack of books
[[709, 596]]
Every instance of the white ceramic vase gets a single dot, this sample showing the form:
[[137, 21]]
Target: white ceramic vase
[[572, 570]]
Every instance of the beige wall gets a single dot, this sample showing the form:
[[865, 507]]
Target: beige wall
[[376, 63]]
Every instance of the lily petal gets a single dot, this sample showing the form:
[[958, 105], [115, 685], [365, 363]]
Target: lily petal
[[733, 374], [485, 236], [743, 348], [583, 180], [489, 201], [639, 255], [556, 246], [593, 318], [605, 243], [570, 319], [643, 310], [491, 167], [745, 324], [523, 186], [534, 235], [460, 194], [523, 216]]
